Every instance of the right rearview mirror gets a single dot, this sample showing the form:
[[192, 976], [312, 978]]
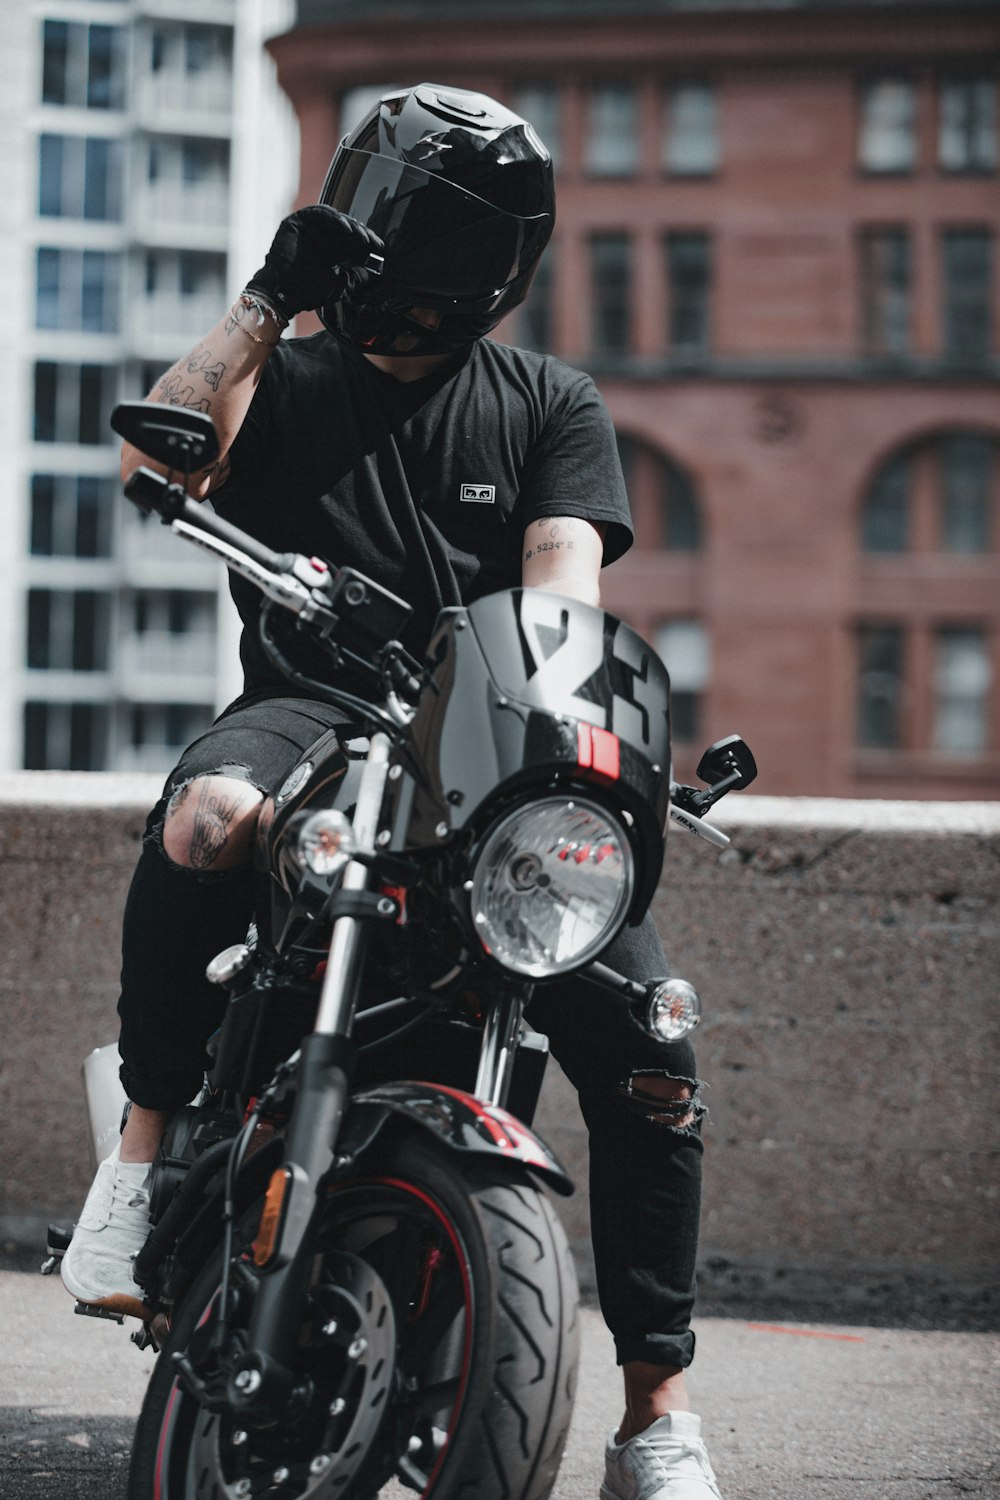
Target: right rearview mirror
[[174, 436], [728, 760]]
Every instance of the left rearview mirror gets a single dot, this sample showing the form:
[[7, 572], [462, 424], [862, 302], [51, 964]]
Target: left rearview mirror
[[170, 435]]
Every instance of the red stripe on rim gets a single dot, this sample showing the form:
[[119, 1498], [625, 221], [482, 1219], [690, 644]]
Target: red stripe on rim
[[456, 1244]]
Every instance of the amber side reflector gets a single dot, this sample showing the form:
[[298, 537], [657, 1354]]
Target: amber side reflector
[[270, 1219]]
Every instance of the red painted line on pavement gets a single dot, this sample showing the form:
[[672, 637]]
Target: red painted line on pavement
[[806, 1333]]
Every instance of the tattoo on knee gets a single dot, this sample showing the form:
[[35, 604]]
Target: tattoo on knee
[[213, 820], [663, 1099]]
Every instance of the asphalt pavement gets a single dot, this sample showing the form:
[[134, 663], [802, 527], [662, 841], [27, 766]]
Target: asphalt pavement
[[791, 1411]]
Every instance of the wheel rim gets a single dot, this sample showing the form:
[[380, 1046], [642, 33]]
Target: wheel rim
[[394, 1276]]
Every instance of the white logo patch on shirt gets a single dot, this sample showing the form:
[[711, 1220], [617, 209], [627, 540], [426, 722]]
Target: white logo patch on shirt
[[479, 494]]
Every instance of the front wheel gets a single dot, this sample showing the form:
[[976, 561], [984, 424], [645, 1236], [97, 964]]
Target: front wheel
[[439, 1350]]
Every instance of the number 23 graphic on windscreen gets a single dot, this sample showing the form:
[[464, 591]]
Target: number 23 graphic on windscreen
[[579, 671]]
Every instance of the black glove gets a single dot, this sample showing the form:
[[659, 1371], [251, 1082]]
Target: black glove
[[316, 257]]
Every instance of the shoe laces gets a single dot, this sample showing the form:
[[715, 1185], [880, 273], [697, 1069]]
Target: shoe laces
[[124, 1195], [670, 1448]]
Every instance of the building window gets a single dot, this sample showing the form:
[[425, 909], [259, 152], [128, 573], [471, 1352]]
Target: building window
[[80, 177], [967, 464], [535, 316], [610, 276], [880, 683], [885, 513], [952, 480], [167, 727], [961, 691], [83, 66], [539, 105], [68, 630], [612, 143], [185, 273], [65, 736], [201, 272], [77, 290], [966, 266], [689, 284], [73, 402], [887, 138], [691, 140], [967, 125], [71, 515], [208, 49], [684, 648], [665, 506], [885, 291]]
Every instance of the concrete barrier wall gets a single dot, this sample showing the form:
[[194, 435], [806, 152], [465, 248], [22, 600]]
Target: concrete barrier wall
[[847, 954]]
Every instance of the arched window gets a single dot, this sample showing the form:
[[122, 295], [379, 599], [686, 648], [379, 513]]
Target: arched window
[[665, 508], [927, 663], [942, 494]]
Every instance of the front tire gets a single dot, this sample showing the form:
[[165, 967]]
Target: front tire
[[467, 1264]]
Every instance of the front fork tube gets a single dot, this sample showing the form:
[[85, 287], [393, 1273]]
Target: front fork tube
[[262, 1377], [501, 1033]]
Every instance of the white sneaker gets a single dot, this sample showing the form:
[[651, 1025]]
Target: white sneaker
[[97, 1267], [666, 1462]]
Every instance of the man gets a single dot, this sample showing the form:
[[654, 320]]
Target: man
[[402, 442]]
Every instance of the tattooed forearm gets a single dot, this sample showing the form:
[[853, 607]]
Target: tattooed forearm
[[213, 818], [218, 473], [175, 393], [200, 359]]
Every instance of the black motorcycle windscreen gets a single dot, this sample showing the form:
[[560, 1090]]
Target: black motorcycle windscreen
[[557, 654], [528, 685]]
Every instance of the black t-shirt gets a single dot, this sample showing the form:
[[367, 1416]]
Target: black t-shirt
[[425, 486]]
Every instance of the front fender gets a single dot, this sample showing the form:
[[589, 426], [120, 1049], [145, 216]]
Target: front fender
[[460, 1120]]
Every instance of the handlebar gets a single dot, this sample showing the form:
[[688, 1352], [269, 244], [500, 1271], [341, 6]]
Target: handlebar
[[306, 587], [340, 602], [147, 489]]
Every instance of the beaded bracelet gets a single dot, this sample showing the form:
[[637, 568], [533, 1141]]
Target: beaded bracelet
[[263, 310]]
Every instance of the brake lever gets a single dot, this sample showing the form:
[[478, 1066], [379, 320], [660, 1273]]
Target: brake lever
[[284, 588]]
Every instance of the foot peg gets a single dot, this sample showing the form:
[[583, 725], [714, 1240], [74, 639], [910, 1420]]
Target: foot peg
[[56, 1244], [88, 1310]]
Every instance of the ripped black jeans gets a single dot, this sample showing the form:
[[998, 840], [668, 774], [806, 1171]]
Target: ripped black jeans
[[645, 1156]]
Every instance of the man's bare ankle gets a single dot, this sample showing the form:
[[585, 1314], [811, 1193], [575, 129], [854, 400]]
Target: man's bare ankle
[[142, 1134]]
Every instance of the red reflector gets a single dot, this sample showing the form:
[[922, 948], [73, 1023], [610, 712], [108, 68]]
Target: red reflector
[[584, 749], [606, 758]]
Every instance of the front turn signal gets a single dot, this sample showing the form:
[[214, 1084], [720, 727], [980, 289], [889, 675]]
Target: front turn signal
[[272, 1217]]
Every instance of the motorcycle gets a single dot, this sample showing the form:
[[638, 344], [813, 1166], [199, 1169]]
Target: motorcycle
[[354, 1272]]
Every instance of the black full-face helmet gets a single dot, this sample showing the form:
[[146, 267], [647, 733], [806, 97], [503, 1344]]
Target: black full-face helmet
[[460, 191]]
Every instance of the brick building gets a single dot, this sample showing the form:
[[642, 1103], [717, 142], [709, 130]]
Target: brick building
[[776, 252]]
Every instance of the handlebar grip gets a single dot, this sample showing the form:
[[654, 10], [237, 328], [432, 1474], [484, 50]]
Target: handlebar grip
[[150, 491], [206, 520]]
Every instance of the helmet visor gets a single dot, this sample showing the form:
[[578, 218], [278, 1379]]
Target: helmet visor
[[440, 241]]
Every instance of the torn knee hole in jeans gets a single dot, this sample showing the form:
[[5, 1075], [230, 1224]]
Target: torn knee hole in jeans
[[664, 1099], [175, 797]]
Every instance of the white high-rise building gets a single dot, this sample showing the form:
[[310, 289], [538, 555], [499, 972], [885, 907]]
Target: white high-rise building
[[146, 156]]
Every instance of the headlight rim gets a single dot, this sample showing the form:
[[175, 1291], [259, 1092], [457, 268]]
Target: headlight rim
[[569, 796]]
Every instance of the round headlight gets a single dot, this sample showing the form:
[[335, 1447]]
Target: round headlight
[[552, 886], [325, 842]]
